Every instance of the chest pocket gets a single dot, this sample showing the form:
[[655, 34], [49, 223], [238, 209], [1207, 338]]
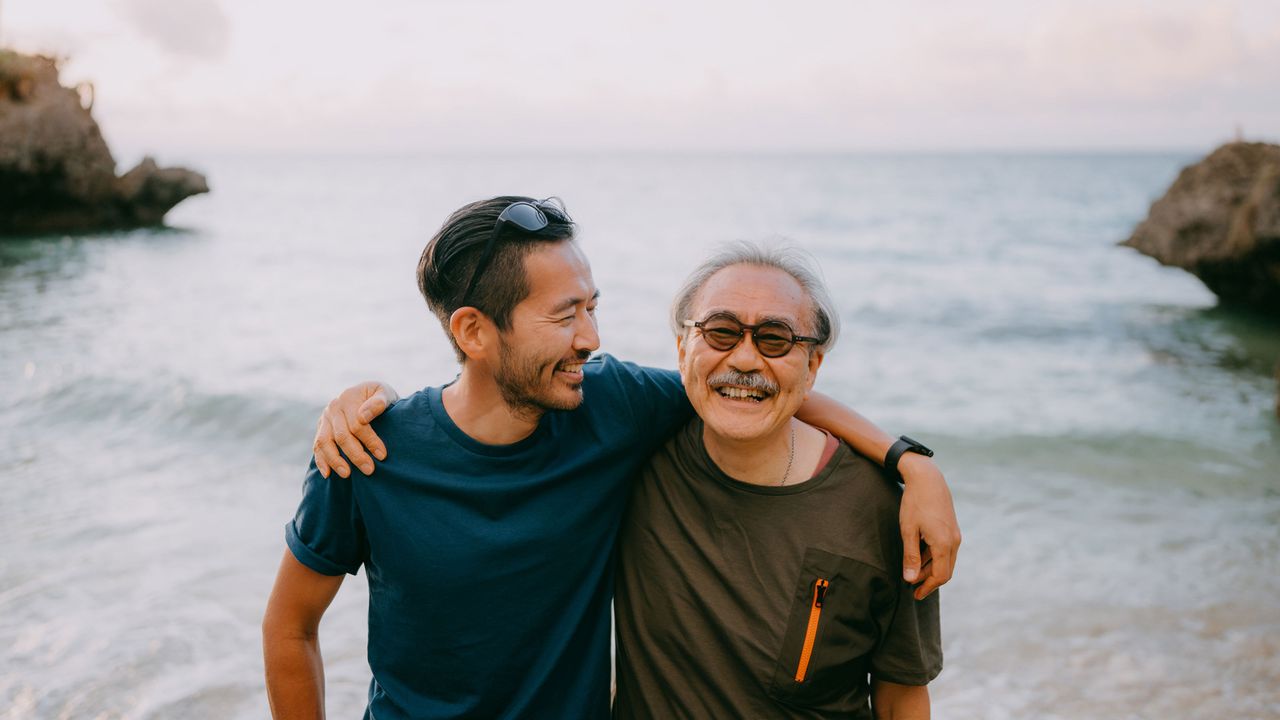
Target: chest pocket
[[838, 611]]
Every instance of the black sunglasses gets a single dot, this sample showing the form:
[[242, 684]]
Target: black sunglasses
[[773, 338], [529, 217]]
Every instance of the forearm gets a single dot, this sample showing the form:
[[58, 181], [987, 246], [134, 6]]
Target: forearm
[[927, 516], [295, 675], [900, 702], [862, 435]]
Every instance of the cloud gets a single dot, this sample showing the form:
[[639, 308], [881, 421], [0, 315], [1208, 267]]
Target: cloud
[[192, 28], [1101, 56], [455, 74]]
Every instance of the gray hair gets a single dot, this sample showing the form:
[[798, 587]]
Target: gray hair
[[789, 259]]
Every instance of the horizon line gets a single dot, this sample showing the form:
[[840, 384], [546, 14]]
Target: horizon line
[[546, 152]]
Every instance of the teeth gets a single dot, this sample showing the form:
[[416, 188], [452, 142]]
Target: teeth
[[571, 368], [741, 393]]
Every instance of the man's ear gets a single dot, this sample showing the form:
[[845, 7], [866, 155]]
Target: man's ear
[[474, 332], [680, 351], [815, 362]]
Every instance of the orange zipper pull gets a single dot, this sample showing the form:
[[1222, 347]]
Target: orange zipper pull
[[811, 631]]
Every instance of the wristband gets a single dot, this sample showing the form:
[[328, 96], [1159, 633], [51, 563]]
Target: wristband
[[903, 445]]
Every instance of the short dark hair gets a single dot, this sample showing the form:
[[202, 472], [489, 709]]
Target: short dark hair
[[450, 258]]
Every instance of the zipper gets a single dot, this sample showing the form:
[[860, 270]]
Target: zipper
[[811, 632]]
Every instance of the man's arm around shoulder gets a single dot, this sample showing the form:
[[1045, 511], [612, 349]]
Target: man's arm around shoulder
[[892, 701], [291, 641]]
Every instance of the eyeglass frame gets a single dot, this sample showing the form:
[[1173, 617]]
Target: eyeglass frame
[[743, 328], [506, 218]]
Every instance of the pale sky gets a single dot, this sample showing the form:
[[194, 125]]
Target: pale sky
[[190, 76]]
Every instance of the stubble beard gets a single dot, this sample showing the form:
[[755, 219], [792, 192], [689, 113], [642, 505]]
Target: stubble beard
[[520, 381]]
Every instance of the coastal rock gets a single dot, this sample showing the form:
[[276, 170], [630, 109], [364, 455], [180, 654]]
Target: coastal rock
[[1220, 220], [56, 171], [148, 191]]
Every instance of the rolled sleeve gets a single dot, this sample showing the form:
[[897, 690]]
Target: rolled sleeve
[[327, 533], [910, 653]]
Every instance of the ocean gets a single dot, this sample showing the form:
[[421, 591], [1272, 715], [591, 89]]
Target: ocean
[[1109, 433]]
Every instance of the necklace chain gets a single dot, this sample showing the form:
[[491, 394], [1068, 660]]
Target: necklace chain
[[791, 456]]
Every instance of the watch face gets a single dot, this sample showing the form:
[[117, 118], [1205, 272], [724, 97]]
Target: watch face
[[917, 447]]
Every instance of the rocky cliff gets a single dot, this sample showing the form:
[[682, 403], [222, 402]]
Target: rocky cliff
[[1220, 220], [56, 171]]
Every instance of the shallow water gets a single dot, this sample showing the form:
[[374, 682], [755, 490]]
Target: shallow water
[[1108, 432]]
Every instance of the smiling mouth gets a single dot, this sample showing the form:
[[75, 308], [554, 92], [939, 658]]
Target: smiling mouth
[[741, 393], [573, 368]]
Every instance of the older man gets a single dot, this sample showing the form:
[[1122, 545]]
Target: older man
[[760, 559], [487, 531]]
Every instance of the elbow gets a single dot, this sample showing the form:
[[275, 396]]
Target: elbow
[[280, 625], [276, 629]]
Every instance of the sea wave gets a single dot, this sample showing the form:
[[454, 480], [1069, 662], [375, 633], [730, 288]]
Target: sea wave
[[169, 409]]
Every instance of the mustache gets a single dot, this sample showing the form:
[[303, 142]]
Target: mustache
[[751, 381], [579, 356]]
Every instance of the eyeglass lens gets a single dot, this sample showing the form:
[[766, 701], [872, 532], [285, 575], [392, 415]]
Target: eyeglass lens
[[772, 339]]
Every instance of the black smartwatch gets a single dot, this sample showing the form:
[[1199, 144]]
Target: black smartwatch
[[903, 445]]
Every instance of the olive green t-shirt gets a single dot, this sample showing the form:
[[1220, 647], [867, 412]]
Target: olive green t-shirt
[[743, 601]]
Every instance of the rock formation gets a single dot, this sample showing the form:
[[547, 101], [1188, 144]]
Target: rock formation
[[56, 172], [1220, 220]]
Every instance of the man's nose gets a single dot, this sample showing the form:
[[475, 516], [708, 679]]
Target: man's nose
[[586, 336], [745, 356]]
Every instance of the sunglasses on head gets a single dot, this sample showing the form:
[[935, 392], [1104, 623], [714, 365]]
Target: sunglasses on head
[[529, 216], [773, 338]]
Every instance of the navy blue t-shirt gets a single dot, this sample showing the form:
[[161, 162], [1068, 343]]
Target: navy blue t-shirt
[[490, 567]]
